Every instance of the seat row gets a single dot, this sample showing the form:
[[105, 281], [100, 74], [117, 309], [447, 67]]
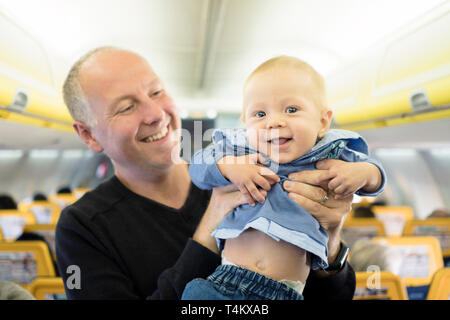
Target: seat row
[[36, 216], [29, 264], [388, 286], [396, 222]]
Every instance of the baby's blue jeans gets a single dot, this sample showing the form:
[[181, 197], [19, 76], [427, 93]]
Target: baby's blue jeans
[[230, 282]]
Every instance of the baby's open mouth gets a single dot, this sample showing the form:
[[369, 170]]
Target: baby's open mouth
[[279, 141]]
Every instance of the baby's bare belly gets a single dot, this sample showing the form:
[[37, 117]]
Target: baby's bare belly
[[279, 260]]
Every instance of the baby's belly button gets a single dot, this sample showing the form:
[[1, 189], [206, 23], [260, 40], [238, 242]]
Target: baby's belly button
[[275, 259], [280, 269]]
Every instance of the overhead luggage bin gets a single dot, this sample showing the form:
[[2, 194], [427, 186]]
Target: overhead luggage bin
[[400, 80], [27, 90]]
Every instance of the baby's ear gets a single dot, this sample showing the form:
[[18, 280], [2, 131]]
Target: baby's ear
[[325, 120]]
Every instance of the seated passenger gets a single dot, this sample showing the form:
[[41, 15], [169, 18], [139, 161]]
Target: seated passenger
[[363, 212], [64, 190], [366, 253], [440, 213], [11, 291], [32, 236], [38, 196], [7, 202]]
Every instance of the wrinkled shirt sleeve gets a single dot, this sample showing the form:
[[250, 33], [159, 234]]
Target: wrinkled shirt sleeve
[[203, 169], [357, 151]]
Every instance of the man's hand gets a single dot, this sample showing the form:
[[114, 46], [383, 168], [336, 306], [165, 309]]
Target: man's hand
[[223, 200], [330, 214], [245, 173]]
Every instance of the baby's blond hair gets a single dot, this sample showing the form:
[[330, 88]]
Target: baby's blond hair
[[317, 80]]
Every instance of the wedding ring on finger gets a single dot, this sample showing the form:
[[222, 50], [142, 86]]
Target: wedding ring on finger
[[324, 199]]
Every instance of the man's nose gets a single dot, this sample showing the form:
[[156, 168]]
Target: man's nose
[[153, 112]]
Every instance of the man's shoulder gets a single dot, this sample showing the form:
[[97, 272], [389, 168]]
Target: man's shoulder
[[94, 202]]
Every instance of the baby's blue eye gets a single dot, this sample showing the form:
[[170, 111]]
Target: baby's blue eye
[[291, 110], [260, 114]]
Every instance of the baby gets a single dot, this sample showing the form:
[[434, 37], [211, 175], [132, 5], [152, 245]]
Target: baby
[[272, 242]]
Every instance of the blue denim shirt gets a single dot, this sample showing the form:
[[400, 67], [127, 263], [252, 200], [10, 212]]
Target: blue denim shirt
[[279, 216]]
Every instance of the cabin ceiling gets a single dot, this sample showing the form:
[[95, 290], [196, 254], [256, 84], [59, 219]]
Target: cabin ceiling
[[26, 137], [419, 135], [204, 49]]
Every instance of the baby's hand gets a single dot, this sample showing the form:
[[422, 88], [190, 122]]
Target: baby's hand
[[247, 174], [345, 178]]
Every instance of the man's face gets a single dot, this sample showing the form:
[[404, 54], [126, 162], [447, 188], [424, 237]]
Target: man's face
[[136, 120], [282, 117]]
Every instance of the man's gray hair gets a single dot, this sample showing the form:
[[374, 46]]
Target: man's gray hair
[[73, 93]]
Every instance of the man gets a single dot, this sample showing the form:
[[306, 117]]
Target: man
[[145, 233]]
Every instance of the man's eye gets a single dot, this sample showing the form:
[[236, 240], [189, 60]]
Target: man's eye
[[156, 93], [291, 110], [260, 114], [128, 108]]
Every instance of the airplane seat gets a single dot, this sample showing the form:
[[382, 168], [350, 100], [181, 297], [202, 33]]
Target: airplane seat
[[34, 233], [62, 200], [51, 288], [23, 261], [13, 222], [382, 285], [79, 192], [44, 211], [355, 229], [393, 218], [436, 227], [440, 285], [419, 258]]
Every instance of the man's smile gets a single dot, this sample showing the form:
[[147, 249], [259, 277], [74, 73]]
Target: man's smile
[[158, 136]]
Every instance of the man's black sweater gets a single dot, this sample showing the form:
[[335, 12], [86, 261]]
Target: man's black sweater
[[129, 247]]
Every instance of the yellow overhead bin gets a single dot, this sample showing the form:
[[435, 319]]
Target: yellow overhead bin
[[404, 79], [27, 89]]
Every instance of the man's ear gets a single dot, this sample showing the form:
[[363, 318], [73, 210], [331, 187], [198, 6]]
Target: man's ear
[[85, 133], [325, 120]]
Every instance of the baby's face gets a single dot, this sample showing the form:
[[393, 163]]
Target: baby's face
[[282, 118]]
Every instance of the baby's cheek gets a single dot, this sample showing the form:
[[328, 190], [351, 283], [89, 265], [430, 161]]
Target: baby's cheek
[[252, 138]]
